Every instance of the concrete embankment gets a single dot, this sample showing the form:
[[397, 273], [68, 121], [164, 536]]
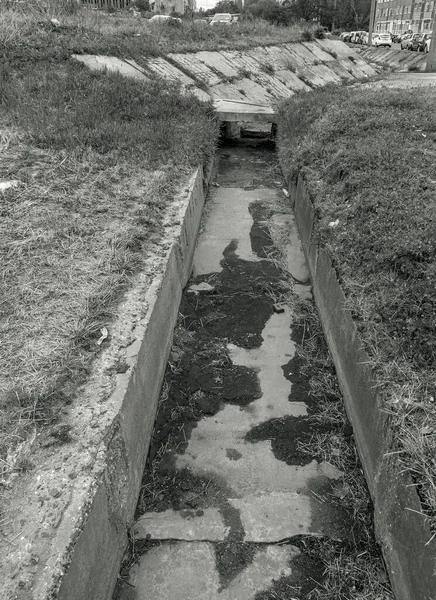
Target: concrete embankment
[[260, 75], [408, 546], [398, 60]]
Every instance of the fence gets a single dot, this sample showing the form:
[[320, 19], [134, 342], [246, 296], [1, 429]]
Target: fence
[[116, 4]]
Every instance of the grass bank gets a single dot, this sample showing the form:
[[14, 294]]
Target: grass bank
[[368, 160], [96, 161], [28, 36]]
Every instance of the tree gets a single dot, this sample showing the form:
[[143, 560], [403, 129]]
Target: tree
[[226, 6]]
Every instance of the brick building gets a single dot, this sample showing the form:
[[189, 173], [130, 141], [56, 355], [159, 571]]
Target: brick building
[[398, 16]]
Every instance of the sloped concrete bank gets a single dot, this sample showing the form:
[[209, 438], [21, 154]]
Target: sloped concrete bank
[[262, 75], [73, 528], [400, 526], [399, 60]]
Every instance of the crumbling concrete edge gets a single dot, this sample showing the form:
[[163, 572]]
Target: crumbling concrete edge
[[95, 538], [400, 527]]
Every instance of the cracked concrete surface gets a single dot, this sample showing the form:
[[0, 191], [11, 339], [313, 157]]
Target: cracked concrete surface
[[265, 502]]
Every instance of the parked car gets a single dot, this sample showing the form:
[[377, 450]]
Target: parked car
[[165, 19], [423, 42], [406, 41], [345, 36], [225, 18], [356, 36], [417, 41], [365, 38], [382, 39], [414, 41]]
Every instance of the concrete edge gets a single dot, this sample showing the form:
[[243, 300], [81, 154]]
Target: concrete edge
[[400, 527], [94, 536]]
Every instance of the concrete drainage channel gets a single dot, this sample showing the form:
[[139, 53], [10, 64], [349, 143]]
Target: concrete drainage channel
[[231, 506]]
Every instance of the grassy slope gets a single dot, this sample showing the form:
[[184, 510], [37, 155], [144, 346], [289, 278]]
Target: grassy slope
[[98, 159], [32, 38], [368, 159]]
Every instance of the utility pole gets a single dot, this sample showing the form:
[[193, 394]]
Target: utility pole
[[371, 21], [431, 56]]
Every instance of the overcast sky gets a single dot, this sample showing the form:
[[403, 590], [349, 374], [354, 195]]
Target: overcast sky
[[206, 4]]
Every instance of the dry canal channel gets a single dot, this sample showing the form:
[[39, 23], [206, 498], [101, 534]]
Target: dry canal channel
[[233, 505]]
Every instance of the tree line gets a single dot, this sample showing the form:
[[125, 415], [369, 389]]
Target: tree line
[[332, 14]]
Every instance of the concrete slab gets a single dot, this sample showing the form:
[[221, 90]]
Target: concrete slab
[[218, 63], [171, 572], [352, 68], [191, 64], [228, 91], [255, 92], [341, 70], [183, 571], [273, 85], [326, 74], [319, 53], [268, 565], [339, 48], [268, 518], [236, 111], [220, 231], [292, 81], [166, 70], [111, 64], [182, 525], [302, 52]]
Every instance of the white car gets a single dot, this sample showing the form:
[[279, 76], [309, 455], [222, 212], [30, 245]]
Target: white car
[[164, 19], [382, 39], [225, 18]]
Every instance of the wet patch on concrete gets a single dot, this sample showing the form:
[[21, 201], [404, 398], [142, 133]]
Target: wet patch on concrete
[[234, 419]]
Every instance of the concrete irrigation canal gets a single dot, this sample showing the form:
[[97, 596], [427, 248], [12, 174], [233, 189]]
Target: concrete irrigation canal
[[230, 501]]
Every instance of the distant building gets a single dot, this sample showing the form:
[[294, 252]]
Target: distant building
[[167, 7], [397, 16]]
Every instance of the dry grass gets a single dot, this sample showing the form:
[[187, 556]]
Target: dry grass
[[374, 182], [98, 160], [357, 571], [29, 35]]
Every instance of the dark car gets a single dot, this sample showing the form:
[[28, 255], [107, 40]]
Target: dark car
[[423, 46], [416, 42]]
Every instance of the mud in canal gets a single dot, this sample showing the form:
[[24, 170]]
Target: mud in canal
[[252, 490]]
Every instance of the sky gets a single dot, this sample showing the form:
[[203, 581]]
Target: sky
[[206, 4]]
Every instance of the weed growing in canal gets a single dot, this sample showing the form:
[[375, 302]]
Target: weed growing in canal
[[358, 567]]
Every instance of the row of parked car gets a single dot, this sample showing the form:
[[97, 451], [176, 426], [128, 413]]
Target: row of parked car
[[419, 42]]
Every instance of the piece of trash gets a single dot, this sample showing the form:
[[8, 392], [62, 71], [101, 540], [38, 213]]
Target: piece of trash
[[55, 22], [103, 337], [5, 185], [279, 308], [200, 287], [215, 184], [286, 193], [334, 223]]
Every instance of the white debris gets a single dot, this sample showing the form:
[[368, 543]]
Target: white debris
[[334, 223], [5, 185]]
